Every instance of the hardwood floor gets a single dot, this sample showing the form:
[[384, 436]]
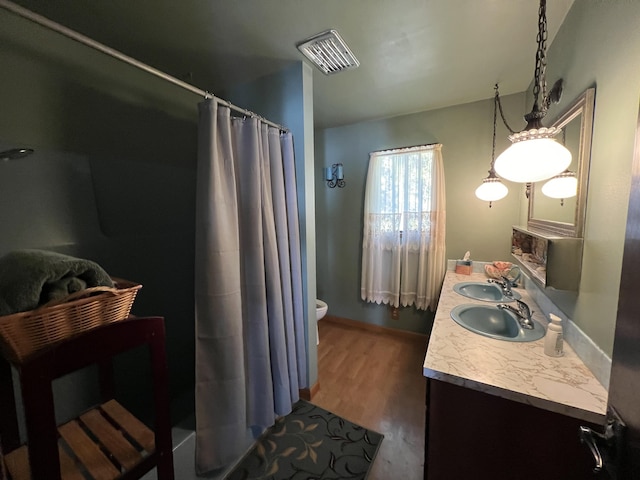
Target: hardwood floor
[[375, 379]]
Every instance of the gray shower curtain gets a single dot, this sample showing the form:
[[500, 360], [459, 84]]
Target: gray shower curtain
[[250, 336]]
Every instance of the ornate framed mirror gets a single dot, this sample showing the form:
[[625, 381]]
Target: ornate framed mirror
[[565, 217]]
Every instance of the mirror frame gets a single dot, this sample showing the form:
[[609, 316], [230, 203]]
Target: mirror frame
[[584, 105]]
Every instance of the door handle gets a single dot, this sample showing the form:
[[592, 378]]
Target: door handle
[[606, 448], [587, 437]]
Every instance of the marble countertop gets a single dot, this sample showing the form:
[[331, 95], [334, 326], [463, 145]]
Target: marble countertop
[[518, 371]]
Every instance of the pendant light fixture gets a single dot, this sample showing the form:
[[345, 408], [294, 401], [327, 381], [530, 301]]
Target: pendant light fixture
[[492, 188], [561, 186], [534, 155], [564, 185]]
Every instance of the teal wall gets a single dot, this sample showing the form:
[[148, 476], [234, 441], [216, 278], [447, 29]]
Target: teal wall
[[598, 46], [466, 134], [113, 180], [114, 173]]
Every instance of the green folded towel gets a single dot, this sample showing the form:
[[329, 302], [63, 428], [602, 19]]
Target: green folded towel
[[29, 278]]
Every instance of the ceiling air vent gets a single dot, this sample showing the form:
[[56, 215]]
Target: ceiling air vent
[[328, 52]]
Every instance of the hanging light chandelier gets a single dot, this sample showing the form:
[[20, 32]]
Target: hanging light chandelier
[[534, 154], [492, 189], [564, 185]]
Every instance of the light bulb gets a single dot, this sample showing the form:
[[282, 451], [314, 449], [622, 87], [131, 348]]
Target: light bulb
[[532, 160]]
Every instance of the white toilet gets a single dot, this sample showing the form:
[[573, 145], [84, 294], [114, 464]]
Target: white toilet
[[321, 311]]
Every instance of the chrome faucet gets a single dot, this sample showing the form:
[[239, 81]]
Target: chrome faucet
[[505, 284], [522, 313]]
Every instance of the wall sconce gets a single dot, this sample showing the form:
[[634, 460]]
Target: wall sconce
[[334, 175]]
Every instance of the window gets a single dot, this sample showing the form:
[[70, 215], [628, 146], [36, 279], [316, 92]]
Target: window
[[403, 244]]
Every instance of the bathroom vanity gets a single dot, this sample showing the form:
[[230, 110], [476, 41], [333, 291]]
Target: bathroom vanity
[[504, 410]]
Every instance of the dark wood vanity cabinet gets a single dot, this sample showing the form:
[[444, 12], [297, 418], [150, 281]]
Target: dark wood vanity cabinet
[[475, 435]]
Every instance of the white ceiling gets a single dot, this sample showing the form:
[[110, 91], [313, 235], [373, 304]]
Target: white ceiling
[[414, 54]]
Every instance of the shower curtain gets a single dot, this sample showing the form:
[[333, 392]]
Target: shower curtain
[[250, 336]]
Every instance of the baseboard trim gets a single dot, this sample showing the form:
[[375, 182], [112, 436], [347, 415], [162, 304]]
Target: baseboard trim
[[308, 393], [373, 328]]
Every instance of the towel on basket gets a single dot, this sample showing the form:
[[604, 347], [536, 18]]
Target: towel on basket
[[30, 278]]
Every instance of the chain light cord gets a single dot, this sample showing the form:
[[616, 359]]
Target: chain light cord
[[504, 120], [495, 117], [540, 84]]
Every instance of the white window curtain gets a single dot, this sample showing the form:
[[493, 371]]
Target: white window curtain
[[403, 247]]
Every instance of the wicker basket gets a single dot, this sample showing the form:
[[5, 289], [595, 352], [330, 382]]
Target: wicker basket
[[25, 333]]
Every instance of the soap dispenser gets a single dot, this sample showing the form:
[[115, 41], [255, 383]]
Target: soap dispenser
[[553, 341]]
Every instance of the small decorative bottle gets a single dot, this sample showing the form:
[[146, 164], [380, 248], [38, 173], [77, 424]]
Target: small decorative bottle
[[553, 341]]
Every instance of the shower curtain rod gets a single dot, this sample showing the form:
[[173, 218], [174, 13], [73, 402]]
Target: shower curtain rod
[[78, 37]]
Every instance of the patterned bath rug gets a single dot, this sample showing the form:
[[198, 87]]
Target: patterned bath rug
[[310, 444]]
